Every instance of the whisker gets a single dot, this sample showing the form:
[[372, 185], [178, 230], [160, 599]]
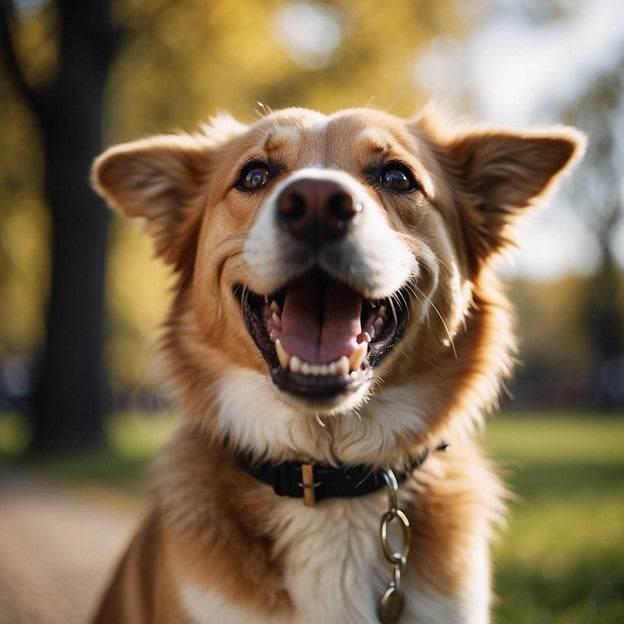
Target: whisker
[[444, 325]]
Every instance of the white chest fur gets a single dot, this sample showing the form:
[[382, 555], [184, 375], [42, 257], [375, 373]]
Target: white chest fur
[[333, 565], [334, 570], [335, 573]]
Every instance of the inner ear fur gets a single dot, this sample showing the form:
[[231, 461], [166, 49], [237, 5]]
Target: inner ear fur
[[161, 180], [502, 174]]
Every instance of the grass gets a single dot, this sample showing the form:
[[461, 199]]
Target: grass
[[115, 472], [561, 560]]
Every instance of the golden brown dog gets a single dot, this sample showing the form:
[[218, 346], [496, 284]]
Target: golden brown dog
[[336, 324]]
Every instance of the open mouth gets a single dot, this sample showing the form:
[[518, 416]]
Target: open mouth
[[320, 337]]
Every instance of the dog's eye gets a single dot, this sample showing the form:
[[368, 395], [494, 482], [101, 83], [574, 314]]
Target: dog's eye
[[398, 177], [253, 176]]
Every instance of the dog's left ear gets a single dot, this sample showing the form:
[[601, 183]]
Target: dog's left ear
[[504, 174]]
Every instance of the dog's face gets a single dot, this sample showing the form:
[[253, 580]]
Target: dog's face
[[334, 255], [344, 255]]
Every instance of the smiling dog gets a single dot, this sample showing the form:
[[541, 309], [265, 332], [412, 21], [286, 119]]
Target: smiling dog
[[336, 324]]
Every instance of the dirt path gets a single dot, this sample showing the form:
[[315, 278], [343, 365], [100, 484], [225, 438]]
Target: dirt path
[[57, 549]]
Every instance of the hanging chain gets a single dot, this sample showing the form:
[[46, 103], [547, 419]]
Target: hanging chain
[[391, 603]]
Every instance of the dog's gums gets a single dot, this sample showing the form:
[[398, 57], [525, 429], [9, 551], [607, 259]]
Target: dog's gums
[[319, 336]]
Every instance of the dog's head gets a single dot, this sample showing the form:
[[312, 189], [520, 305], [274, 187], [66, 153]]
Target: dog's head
[[341, 257]]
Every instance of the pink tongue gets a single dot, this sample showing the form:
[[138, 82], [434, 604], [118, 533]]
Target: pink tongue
[[302, 333]]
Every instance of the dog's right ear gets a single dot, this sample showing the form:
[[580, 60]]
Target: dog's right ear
[[160, 179], [164, 180]]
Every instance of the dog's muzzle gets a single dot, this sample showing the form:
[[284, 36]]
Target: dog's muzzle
[[320, 334]]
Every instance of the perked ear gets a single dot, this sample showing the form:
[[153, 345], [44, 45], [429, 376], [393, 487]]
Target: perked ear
[[164, 180], [158, 179], [504, 174]]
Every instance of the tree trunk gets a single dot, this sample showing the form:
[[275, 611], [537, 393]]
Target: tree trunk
[[70, 398]]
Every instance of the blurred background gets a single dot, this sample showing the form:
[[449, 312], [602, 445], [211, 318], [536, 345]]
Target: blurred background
[[81, 296]]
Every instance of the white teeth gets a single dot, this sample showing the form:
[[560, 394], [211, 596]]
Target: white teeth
[[358, 356], [381, 313], [275, 308], [282, 354], [378, 324], [315, 369], [343, 365], [277, 321]]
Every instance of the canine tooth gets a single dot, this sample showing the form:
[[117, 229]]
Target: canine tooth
[[282, 355], [342, 365], [295, 364], [357, 357], [266, 298], [277, 321], [275, 308], [381, 313], [378, 324]]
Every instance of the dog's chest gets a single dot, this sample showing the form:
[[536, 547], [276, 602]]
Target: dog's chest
[[332, 562], [334, 571], [334, 568]]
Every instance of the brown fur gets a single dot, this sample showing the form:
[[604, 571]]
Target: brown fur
[[210, 521]]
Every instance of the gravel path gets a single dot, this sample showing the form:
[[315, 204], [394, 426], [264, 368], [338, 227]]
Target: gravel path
[[57, 550]]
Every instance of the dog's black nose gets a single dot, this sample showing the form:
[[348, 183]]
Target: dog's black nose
[[317, 210]]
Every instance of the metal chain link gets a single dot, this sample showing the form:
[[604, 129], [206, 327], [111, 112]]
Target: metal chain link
[[392, 601]]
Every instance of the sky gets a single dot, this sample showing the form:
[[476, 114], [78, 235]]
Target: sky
[[512, 70]]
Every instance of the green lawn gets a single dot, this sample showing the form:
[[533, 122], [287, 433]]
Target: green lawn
[[117, 471], [561, 560]]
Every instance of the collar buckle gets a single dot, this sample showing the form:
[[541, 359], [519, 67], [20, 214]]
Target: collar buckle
[[308, 485]]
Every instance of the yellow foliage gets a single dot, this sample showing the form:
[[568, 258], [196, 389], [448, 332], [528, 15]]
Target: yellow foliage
[[36, 43], [23, 245], [138, 294]]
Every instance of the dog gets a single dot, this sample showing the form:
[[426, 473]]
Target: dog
[[336, 335]]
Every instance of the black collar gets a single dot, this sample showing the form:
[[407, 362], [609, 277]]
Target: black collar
[[315, 482]]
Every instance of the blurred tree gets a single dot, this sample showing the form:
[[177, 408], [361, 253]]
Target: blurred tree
[[60, 72], [599, 111]]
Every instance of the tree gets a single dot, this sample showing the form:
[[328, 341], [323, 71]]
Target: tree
[[70, 398], [600, 112]]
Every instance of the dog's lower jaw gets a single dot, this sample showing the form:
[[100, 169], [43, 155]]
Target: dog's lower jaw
[[321, 407]]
